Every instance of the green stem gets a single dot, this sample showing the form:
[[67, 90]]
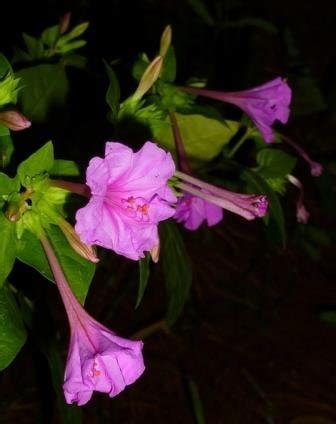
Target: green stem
[[238, 145]]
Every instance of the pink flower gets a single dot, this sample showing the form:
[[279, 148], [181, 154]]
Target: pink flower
[[129, 196], [98, 360], [263, 104], [192, 211]]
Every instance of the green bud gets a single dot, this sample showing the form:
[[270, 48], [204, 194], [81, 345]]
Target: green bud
[[166, 40], [149, 78]]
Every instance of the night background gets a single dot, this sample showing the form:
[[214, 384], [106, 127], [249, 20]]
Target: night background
[[256, 340]]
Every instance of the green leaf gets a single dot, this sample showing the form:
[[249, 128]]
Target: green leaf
[[201, 9], [30, 252], [45, 87], [50, 35], [8, 185], [77, 270], [203, 137], [7, 247], [169, 66], [144, 272], [66, 168], [274, 163], [5, 66], [8, 89], [113, 92], [34, 46], [74, 45], [75, 60], [176, 268], [12, 332], [196, 401], [39, 162], [6, 150], [140, 66], [74, 33], [258, 185]]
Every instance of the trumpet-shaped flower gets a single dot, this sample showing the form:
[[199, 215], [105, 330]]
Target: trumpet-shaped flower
[[98, 360], [263, 104], [249, 206], [129, 196], [192, 211]]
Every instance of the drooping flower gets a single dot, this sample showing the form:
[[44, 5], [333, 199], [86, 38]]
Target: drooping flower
[[98, 359], [316, 168], [192, 211], [249, 206], [263, 104], [302, 215], [129, 196]]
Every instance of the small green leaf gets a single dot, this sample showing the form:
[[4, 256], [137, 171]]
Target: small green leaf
[[176, 268], [201, 9], [74, 45], [144, 272], [8, 185], [274, 163], [45, 87], [258, 185], [34, 46], [66, 168], [203, 137], [169, 66], [140, 66], [113, 92], [75, 60], [74, 33], [5, 66], [6, 150], [196, 401], [78, 271], [7, 247], [50, 35], [12, 332], [39, 162]]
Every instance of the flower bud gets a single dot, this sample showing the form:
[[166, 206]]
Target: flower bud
[[148, 78], [165, 41], [81, 248], [155, 253], [64, 23], [14, 120]]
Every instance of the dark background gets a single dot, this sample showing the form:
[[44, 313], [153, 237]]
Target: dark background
[[251, 338]]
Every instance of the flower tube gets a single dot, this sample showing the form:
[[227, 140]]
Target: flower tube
[[98, 359]]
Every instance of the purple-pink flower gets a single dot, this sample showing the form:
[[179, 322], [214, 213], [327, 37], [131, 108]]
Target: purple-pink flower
[[129, 196], [263, 104], [98, 360], [192, 211]]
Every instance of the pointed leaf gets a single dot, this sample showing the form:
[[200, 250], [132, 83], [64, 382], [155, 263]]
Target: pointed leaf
[[176, 268], [144, 272], [39, 162], [7, 247], [12, 332]]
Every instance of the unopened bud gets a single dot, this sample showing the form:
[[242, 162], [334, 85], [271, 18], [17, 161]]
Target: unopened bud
[[14, 120], [149, 77], [84, 250], [64, 23], [155, 253], [165, 41]]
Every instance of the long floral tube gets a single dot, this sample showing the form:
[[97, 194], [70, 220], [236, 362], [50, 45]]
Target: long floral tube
[[316, 168], [181, 153], [245, 205], [98, 359]]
